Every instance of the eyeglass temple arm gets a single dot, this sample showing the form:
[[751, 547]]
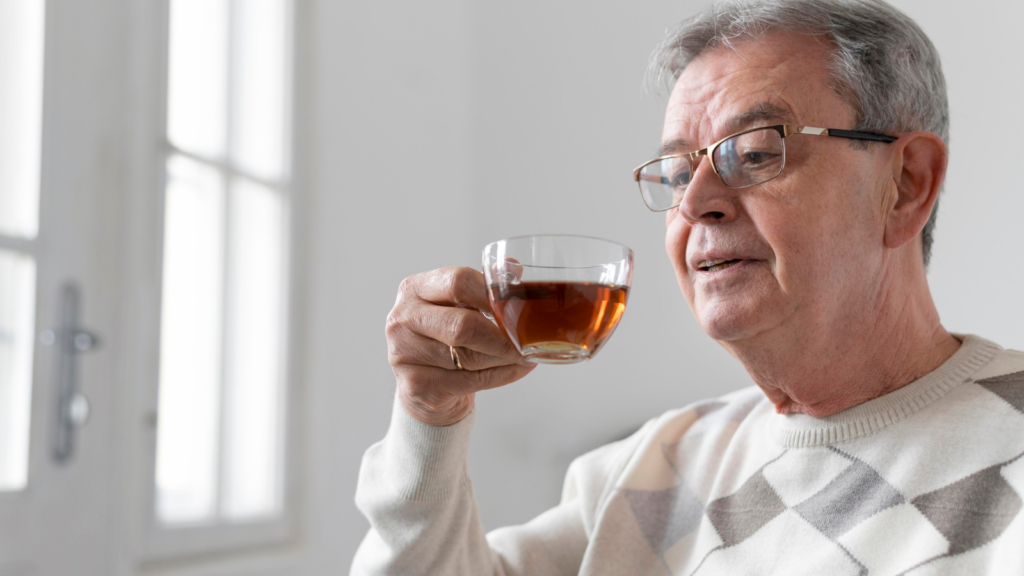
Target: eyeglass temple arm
[[852, 134]]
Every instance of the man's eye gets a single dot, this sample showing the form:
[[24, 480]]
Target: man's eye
[[754, 159], [680, 180]]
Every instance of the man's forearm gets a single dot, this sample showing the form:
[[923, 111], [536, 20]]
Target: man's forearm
[[415, 490]]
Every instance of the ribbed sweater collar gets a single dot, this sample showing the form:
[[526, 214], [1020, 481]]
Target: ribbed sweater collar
[[803, 431]]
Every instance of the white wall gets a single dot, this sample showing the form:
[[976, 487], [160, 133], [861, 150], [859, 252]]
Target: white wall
[[977, 273], [438, 127]]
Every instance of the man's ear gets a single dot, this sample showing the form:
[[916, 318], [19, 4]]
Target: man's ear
[[919, 167]]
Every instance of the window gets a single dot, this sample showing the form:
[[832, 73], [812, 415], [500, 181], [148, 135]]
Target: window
[[21, 107], [222, 395]]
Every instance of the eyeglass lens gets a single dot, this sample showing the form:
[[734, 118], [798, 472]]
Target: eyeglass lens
[[743, 160]]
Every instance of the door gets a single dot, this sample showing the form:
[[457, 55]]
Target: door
[[86, 165], [57, 507]]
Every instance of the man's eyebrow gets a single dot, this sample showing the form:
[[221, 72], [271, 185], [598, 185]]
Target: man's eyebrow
[[761, 114], [674, 147]]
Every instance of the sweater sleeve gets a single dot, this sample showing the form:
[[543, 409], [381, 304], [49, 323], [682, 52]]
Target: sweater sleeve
[[414, 488]]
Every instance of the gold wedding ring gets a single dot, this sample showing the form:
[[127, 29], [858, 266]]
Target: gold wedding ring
[[455, 358]]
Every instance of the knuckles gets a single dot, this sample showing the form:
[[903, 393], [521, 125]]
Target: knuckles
[[393, 323], [407, 287], [396, 352], [401, 339], [457, 282], [412, 315], [460, 329]]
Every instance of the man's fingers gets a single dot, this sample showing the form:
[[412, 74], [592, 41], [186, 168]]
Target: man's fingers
[[453, 286], [510, 270], [428, 382], [460, 327], [436, 311], [470, 359], [416, 349]]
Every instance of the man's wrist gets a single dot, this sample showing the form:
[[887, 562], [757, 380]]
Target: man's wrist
[[440, 414], [430, 460]]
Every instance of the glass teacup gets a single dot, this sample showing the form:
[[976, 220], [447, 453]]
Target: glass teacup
[[558, 298]]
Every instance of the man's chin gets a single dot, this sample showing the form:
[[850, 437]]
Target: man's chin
[[730, 325]]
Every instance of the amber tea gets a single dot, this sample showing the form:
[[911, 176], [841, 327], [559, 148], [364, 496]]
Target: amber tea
[[558, 322]]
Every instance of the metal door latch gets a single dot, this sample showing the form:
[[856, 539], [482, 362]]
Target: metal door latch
[[72, 405]]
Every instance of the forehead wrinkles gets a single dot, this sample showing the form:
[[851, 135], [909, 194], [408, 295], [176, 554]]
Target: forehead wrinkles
[[727, 81], [700, 114]]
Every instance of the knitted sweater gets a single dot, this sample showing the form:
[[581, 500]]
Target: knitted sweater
[[926, 480]]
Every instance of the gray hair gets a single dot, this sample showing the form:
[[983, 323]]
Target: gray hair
[[883, 65]]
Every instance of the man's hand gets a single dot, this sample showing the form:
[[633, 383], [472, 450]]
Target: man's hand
[[435, 310]]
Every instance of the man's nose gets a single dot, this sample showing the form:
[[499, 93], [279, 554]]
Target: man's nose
[[707, 199]]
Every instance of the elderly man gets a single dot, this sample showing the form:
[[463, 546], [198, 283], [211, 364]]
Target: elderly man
[[803, 154]]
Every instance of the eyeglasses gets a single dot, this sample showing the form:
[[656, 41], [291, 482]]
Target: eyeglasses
[[743, 159]]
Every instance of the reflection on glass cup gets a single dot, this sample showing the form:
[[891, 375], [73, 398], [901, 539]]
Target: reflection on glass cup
[[558, 298]]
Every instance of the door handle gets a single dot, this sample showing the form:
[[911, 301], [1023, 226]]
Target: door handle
[[72, 405]]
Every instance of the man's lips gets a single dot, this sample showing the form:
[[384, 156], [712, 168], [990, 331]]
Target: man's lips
[[709, 261], [716, 264]]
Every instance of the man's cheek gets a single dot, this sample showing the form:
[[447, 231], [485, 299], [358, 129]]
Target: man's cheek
[[676, 235]]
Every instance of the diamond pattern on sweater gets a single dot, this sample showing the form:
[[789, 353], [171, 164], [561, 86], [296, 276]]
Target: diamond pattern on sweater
[[894, 540], [800, 474], [972, 511], [857, 511], [665, 516], [739, 515], [1009, 387], [756, 556], [855, 495]]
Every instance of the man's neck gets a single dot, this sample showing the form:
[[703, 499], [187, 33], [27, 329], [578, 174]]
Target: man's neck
[[866, 355]]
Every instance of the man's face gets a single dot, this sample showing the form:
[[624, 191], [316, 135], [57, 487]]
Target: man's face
[[808, 245]]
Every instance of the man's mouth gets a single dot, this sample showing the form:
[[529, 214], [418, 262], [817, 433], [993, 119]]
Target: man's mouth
[[716, 265]]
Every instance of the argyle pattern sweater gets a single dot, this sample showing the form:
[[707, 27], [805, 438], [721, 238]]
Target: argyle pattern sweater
[[926, 480]]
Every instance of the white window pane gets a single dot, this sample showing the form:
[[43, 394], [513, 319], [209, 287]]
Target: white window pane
[[17, 319], [198, 76], [21, 108], [253, 394], [190, 343], [259, 107]]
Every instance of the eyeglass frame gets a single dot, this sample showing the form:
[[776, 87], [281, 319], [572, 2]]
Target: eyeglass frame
[[784, 130]]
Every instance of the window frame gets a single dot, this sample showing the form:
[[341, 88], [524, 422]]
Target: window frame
[[155, 545]]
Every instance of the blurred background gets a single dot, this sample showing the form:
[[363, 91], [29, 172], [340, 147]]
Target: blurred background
[[206, 207]]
